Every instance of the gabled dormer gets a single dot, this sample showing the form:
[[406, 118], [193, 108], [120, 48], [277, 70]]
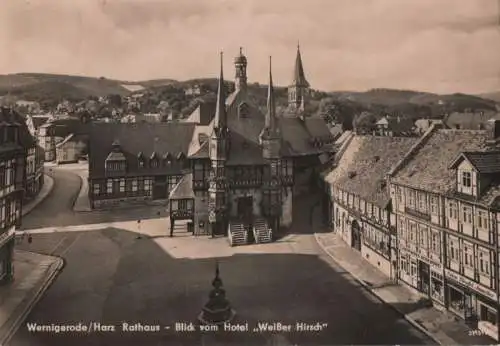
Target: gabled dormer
[[141, 160], [154, 160], [475, 171], [116, 161], [167, 159]]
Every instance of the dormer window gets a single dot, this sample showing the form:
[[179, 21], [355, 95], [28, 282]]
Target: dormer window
[[167, 159], [141, 161], [466, 179], [154, 162]]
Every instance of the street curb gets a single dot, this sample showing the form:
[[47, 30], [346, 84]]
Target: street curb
[[84, 188], [60, 263], [366, 287], [46, 178]]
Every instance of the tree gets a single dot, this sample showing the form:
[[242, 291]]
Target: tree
[[365, 120]]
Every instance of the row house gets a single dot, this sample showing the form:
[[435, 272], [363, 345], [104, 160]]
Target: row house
[[359, 201], [445, 194], [12, 172]]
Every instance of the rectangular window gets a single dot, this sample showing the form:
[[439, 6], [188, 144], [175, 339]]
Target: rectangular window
[[122, 185], [467, 215], [434, 205], [435, 242], [399, 194], [97, 189], [468, 256], [422, 206], [484, 263], [467, 179], [109, 186], [134, 185], [413, 231], [411, 198], [148, 184], [482, 219], [453, 210]]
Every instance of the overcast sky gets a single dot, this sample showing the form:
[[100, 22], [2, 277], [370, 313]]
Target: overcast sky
[[433, 45]]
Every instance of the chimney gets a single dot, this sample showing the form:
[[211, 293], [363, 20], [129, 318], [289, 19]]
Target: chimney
[[493, 129]]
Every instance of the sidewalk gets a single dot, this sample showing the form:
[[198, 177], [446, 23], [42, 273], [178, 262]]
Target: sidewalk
[[82, 202], [33, 275], [48, 185], [443, 327]]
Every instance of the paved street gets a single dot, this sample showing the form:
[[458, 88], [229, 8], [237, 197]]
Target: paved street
[[113, 276]]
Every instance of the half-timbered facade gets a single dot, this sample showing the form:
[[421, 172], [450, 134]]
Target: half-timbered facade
[[359, 201], [446, 197], [12, 173], [232, 175]]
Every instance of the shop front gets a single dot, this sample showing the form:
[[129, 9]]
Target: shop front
[[423, 277], [459, 299], [437, 287], [487, 318]]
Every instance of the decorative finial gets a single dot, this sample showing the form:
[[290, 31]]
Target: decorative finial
[[241, 51], [298, 45]]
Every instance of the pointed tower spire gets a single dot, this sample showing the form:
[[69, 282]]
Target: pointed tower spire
[[220, 120], [271, 107], [299, 78]]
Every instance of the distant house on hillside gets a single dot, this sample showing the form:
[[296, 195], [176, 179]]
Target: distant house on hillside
[[28, 106], [195, 90], [142, 118], [422, 125], [470, 120], [393, 126]]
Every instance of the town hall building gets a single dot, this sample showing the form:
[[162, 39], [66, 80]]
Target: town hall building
[[235, 175]]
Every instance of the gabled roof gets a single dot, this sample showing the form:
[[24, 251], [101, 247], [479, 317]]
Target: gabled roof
[[203, 114], [11, 117], [483, 162], [427, 168], [184, 189], [364, 164], [317, 127], [135, 138], [38, 120]]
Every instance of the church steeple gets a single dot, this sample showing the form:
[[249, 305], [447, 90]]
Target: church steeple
[[220, 120], [298, 89], [270, 121], [299, 78], [240, 64]]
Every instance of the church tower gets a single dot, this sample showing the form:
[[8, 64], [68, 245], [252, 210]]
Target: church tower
[[271, 145], [218, 152], [240, 64], [298, 91]]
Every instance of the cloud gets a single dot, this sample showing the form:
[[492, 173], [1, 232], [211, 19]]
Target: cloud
[[435, 45]]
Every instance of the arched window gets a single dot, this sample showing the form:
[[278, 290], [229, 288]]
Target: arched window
[[243, 110]]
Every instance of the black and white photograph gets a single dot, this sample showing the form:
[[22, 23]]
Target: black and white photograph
[[249, 172]]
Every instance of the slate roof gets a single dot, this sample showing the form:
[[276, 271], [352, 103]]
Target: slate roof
[[139, 138], [364, 164], [428, 167], [483, 162]]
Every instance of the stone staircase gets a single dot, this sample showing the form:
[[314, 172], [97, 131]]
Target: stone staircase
[[262, 233], [237, 234]]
